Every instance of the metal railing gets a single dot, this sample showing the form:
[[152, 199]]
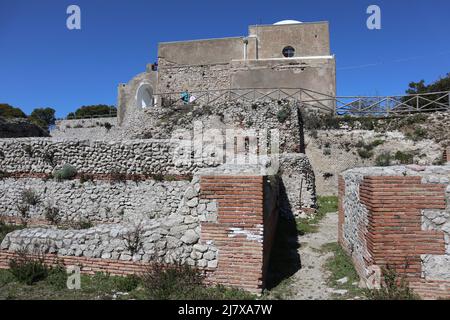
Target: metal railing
[[340, 105], [248, 95], [382, 106], [393, 105]]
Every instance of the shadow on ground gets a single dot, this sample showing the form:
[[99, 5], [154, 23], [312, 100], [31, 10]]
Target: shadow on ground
[[284, 259]]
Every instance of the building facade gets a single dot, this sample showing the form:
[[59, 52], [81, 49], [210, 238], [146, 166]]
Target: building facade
[[286, 55]]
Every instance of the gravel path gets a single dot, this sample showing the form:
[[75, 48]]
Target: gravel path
[[309, 283]]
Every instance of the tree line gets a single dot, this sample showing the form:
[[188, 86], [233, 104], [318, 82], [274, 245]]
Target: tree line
[[45, 117], [42, 117]]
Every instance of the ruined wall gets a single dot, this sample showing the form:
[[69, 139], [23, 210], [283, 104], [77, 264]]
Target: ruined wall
[[178, 78], [84, 129], [96, 157], [167, 234], [297, 185], [398, 216], [244, 230], [331, 152], [97, 201], [128, 94], [223, 224]]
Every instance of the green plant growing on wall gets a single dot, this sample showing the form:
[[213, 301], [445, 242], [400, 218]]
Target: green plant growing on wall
[[28, 150], [81, 224], [24, 211], [417, 135], [117, 177], [52, 214], [393, 287], [107, 126], [133, 239], [27, 268], [283, 114], [49, 157], [67, 172], [85, 177], [383, 160], [29, 197], [404, 157], [364, 153]]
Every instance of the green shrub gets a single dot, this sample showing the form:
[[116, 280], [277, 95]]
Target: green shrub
[[180, 281], [3, 175], [28, 269], [393, 287], [85, 177], [49, 157], [283, 114], [128, 283], [364, 153], [81, 224], [57, 277], [158, 177], [326, 151], [384, 159], [107, 126], [27, 149], [117, 177], [340, 265], [24, 210], [172, 282], [52, 214], [30, 197], [7, 228], [417, 135], [67, 172], [9, 111], [404, 157]]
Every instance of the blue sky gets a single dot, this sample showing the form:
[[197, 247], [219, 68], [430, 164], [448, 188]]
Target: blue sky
[[42, 63]]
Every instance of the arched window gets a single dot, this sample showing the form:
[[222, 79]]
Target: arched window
[[144, 96], [288, 52]]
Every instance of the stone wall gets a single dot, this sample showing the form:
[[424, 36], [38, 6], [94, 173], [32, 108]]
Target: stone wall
[[167, 230], [95, 157], [297, 185], [398, 216], [331, 152], [178, 78], [96, 201], [84, 129], [223, 222], [144, 158]]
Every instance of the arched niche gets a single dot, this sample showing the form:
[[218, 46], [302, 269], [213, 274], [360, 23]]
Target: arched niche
[[144, 96]]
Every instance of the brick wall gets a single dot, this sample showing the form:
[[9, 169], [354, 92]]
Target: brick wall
[[446, 155], [394, 230], [239, 231], [243, 234]]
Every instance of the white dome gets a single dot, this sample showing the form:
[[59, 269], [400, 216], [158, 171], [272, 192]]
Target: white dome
[[286, 22]]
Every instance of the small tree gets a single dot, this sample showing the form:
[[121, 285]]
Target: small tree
[[9, 111], [43, 117], [133, 239]]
